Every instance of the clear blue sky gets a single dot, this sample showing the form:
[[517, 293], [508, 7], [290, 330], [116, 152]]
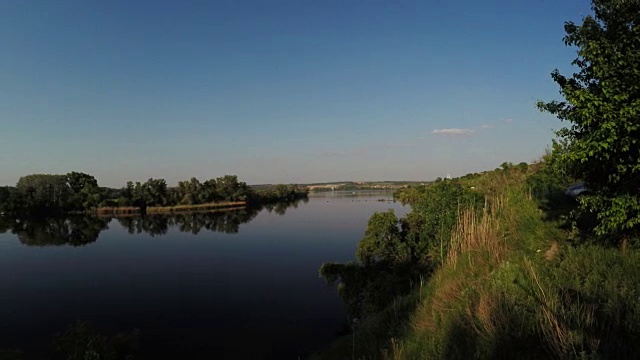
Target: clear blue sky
[[276, 91]]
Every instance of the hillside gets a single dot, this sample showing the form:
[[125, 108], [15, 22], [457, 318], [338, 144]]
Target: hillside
[[512, 284]]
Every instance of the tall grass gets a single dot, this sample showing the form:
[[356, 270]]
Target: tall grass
[[475, 233], [459, 305], [555, 331], [588, 304], [473, 307]]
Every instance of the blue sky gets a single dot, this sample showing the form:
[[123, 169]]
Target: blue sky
[[276, 91]]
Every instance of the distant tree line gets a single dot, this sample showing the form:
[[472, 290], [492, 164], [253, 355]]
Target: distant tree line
[[46, 194], [361, 186]]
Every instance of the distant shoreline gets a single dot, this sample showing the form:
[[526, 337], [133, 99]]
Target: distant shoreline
[[136, 210]]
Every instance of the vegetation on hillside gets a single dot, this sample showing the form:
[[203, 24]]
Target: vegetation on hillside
[[396, 252], [510, 283], [602, 104], [529, 272]]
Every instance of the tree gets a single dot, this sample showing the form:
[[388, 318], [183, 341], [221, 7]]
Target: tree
[[506, 165], [11, 201], [137, 194], [43, 193], [5, 196], [523, 166], [154, 192], [229, 189], [602, 104], [209, 190], [85, 193], [382, 240], [189, 192], [411, 194]]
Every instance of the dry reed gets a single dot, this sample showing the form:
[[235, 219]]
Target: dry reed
[[475, 233], [133, 210]]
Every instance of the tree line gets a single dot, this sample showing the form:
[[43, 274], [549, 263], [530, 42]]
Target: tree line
[[45, 194]]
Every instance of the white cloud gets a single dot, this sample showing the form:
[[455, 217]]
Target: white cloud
[[488, 126], [508, 120], [453, 131]]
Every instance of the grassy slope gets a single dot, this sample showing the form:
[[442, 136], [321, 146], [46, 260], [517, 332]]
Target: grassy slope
[[512, 287], [474, 305]]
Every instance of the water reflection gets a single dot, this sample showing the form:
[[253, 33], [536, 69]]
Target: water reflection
[[159, 224], [74, 231], [83, 230]]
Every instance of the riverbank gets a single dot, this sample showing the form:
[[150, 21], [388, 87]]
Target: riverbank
[[514, 283]]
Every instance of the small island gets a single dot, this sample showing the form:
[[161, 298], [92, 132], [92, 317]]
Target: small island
[[79, 193]]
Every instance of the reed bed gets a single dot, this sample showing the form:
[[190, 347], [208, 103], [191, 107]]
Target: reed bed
[[135, 210]]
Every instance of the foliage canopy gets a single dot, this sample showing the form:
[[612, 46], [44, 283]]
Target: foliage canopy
[[602, 104]]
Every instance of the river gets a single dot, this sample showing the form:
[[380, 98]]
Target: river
[[240, 285]]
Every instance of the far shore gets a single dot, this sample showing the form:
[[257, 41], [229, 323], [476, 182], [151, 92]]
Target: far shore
[[198, 211], [136, 210]]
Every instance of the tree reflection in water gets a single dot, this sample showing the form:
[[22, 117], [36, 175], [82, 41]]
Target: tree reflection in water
[[159, 224], [74, 231], [82, 230]]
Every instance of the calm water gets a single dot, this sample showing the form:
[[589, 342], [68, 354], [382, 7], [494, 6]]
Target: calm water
[[225, 286]]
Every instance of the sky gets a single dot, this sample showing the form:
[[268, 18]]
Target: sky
[[277, 91]]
